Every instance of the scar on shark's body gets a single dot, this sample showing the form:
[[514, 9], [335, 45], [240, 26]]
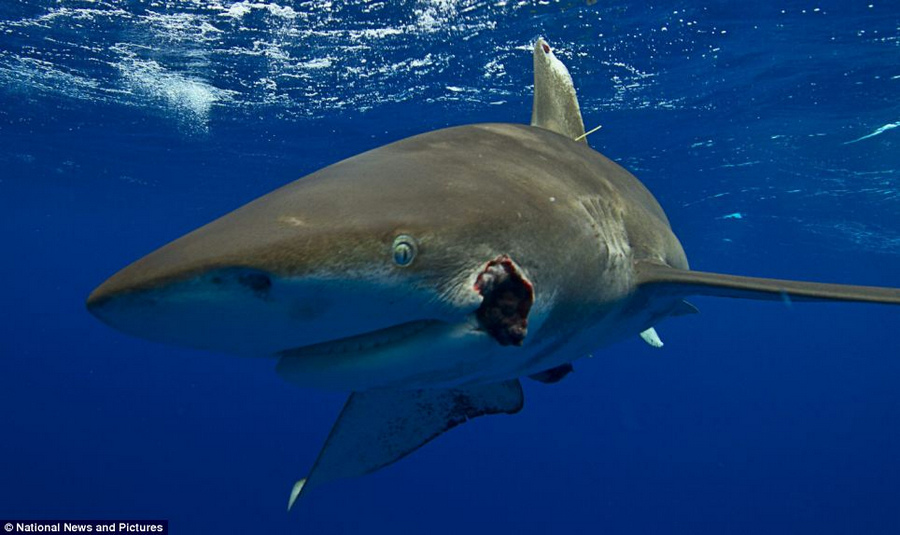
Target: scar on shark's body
[[506, 301], [427, 276]]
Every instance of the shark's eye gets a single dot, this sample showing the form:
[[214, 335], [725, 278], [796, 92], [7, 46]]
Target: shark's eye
[[404, 250]]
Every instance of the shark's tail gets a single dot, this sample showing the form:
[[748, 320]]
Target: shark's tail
[[664, 279]]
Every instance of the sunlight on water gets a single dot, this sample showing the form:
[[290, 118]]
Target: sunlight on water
[[198, 63], [187, 100], [301, 57]]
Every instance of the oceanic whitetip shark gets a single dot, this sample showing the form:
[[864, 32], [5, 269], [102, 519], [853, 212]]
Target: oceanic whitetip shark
[[428, 275]]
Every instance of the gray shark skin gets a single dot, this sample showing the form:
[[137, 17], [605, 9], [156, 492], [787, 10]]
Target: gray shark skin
[[574, 222], [428, 275]]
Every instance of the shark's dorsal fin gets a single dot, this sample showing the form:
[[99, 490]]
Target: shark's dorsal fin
[[555, 102], [377, 427], [679, 282]]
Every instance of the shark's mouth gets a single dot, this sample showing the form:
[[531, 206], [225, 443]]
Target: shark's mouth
[[507, 297], [363, 342]]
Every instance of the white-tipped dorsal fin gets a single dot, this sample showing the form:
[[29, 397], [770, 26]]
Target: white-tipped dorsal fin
[[555, 103], [651, 337]]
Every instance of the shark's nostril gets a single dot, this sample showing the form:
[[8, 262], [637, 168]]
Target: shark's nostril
[[258, 282]]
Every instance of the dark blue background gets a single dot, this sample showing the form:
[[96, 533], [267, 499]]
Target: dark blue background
[[755, 417]]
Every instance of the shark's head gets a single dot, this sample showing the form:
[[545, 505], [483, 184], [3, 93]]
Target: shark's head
[[381, 270]]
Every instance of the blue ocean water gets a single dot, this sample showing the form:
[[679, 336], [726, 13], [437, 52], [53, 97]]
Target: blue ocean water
[[766, 131]]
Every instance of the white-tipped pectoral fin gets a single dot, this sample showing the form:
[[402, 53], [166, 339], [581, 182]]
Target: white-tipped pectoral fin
[[378, 427], [295, 492], [651, 337]]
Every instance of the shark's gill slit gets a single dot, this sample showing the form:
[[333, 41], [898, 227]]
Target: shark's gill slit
[[507, 297]]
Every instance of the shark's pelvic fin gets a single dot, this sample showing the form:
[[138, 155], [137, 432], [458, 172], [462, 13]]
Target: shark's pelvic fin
[[553, 375], [378, 427], [555, 102], [684, 308], [668, 280], [651, 337]]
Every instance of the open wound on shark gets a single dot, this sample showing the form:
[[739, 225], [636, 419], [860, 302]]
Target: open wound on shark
[[427, 276]]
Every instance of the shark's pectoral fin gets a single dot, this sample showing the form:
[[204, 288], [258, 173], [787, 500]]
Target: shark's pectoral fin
[[665, 280], [555, 102], [553, 375], [378, 427]]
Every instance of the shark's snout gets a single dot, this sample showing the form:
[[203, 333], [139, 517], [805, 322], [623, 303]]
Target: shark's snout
[[217, 309], [256, 281], [259, 312]]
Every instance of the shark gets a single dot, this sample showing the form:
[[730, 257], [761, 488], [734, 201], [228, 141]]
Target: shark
[[428, 276]]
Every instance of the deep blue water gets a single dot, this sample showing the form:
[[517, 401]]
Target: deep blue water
[[766, 131]]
